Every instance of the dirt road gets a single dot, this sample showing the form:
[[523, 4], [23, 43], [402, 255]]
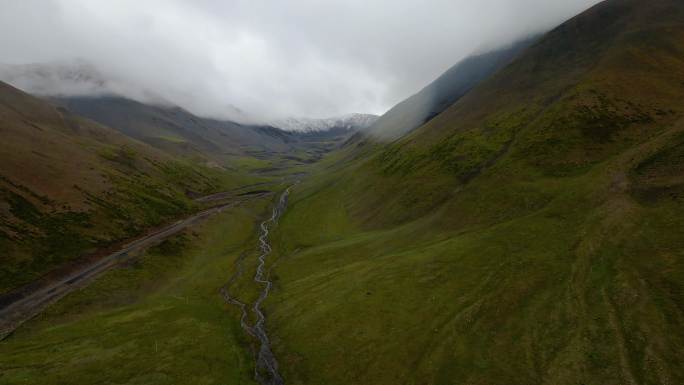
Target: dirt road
[[32, 303]]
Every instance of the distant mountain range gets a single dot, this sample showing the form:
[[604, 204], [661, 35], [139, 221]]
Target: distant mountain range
[[176, 130], [82, 89], [349, 122], [82, 81]]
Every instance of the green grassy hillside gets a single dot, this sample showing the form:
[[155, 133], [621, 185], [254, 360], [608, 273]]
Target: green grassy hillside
[[530, 234], [69, 186], [156, 319]]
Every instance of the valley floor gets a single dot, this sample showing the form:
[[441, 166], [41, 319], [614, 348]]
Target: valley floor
[[538, 297], [158, 319]]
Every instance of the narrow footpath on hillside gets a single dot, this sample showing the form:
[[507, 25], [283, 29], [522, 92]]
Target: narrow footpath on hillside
[[33, 302]]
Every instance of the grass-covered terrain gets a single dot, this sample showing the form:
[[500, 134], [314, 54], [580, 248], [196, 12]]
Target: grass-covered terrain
[[69, 186], [157, 319], [561, 281], [530, 234]]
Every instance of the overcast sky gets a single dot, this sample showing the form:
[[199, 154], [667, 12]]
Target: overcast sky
[[271, 58]]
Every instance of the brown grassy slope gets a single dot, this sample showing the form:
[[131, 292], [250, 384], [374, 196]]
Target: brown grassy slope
[[177, 131], [68, 185]]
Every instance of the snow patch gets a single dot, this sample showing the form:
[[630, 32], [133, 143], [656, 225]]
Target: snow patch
[[349, 122]]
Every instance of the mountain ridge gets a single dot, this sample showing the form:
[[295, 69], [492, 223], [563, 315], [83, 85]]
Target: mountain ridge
[[538, 216], [442, 92]]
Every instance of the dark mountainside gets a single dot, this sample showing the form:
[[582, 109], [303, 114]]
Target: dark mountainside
[[216, 142], [178, 131], [69, 186], [443, 92]]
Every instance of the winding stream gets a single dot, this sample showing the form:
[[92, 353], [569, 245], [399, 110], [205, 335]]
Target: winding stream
[[266, 369]]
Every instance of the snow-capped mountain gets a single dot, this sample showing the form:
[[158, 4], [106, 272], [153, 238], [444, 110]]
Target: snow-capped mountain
[[350, 122]]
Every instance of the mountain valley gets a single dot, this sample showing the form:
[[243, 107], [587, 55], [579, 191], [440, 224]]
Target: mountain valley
[[520, 220]]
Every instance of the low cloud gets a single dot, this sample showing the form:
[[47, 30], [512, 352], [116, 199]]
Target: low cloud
[[269, 59]]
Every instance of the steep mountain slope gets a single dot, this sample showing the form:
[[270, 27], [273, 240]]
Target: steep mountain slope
[[178, 131], [229, 144], [443, 92], [530, 234], [69, 186]]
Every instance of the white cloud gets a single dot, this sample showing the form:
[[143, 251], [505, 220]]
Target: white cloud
[[271, 58]]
